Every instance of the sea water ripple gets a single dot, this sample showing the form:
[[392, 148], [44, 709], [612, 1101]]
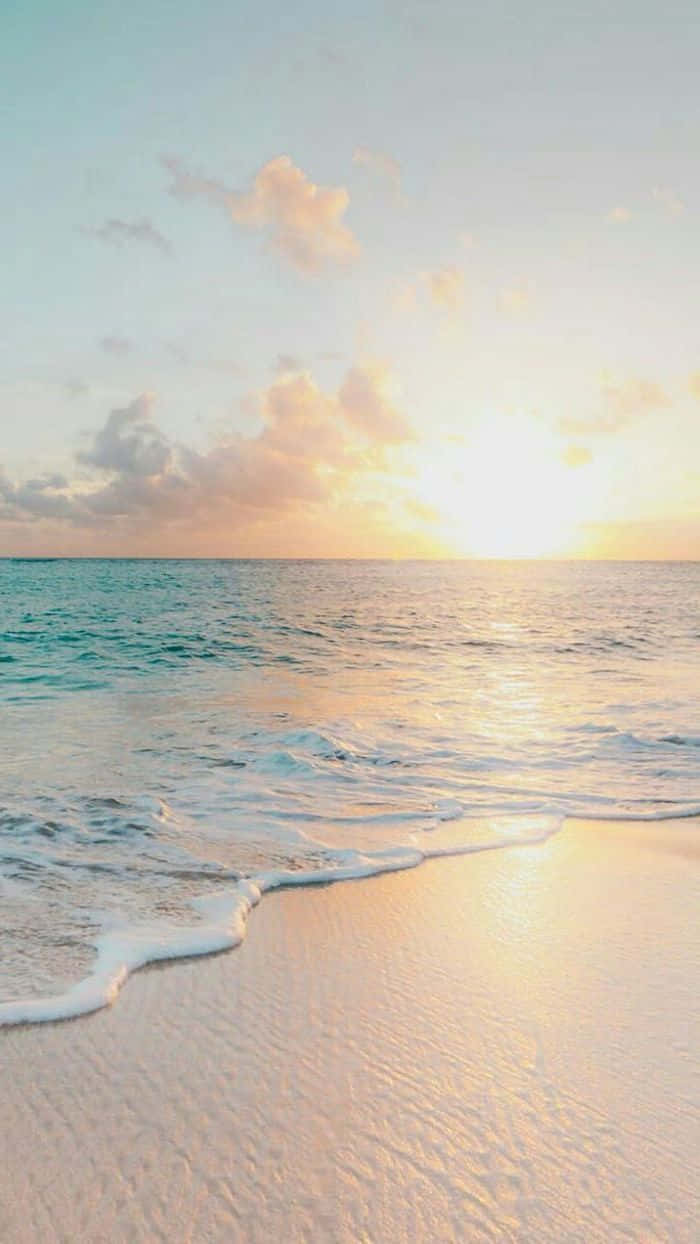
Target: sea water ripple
[[178, 729]]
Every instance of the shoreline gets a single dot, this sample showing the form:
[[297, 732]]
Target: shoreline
[[498, 1048], [223, 924]]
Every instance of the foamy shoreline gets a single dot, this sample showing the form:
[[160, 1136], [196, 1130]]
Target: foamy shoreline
[[220, 920], [491, 1048]]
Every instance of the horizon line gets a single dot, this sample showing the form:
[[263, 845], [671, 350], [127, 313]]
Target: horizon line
[[173, 557]]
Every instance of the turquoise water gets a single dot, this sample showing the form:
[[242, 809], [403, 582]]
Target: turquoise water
[[169, 727]]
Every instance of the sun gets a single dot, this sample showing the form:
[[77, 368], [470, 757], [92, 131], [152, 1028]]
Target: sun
[[505, 493]]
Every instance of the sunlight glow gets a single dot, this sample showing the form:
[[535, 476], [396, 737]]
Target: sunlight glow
[[506, 491]]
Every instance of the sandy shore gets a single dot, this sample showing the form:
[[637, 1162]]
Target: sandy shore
[[499, 1047]]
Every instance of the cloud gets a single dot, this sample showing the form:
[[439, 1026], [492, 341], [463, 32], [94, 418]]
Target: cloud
[[515, 301], [311, 445], [623, 403], [286, 363], [303, 221], [446, 288], [301, 423], [405, 298], [380, 164], [632, 398], [364, 402], [620, 215], [116, 345], [576, 455], [416, 508], [646, 539], [129, 442], [40, 498], [668, 200], [123, 232], [694, 384]]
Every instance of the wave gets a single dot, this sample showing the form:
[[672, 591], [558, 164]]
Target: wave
[[122, 950], [383, 710], [224, 918], [674, 812]]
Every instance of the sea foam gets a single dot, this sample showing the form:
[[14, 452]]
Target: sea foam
[[222, 926], [173, 729]]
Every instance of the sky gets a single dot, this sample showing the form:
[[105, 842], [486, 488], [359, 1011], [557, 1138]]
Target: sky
[[398, 280]]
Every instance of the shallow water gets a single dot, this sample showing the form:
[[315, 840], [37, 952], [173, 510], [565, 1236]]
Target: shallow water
[[169, 727]]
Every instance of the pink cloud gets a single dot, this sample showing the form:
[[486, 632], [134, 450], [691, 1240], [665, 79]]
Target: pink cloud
[[365, 404], [311, 446], [303, 221], [447, 288], [380, 164]]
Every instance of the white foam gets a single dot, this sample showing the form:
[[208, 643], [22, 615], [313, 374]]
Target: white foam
[[123, 951], [677, 813], [224, 916]]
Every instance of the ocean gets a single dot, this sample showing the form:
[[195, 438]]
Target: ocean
[[177, 737]]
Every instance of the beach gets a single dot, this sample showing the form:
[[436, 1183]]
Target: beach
[[349, 626], [494, 1047]]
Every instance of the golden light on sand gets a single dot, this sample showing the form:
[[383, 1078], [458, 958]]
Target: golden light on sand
[[506, 492]]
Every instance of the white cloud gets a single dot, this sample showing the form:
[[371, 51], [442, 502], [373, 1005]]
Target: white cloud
[[310, 443]]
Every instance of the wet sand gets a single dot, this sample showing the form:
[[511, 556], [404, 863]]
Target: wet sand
[[501, 1047]]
